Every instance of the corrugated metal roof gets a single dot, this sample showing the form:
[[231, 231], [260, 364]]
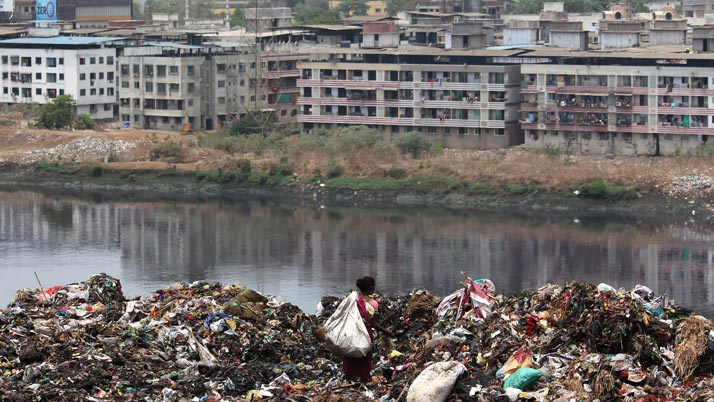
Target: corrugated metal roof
[[59, 40]]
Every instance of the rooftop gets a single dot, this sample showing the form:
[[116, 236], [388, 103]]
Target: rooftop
[[60, 41]]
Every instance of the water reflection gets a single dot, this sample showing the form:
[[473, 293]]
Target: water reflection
[[303, 253]]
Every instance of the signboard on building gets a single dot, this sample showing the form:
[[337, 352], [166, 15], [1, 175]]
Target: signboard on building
[[46, 10], [7, 6]]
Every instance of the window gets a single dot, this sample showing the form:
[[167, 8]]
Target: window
[[110, 60], [252, 98], [124, 69], [173, 70], [15, 60], [61, 91], [38, 60], [242, 83], [431, 130], [136, 85], [4, 59], [125, 84], [463, 131], [82, 77], [93, 91], [5, 76], [173, 87], [160, 71], [190, 69], [110, 76], [61, 61], [627, 137], [101, 60], [101, 75], [283, 112], [110, 91], [447, 130], [51, 77], [191, 87], [221, 84], [4, 90], [149, 87], [500, 132], [82, 92], [92, 60], [38, 91], [101, 91], [82, 61], [161, 88], [27, 62], [38, 76], [221, 100], [585, 136], [190, 102], [604, 136], [643, 136]]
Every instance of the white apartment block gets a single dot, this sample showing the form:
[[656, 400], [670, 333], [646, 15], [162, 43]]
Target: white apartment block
[[462, 98], [37, 70]]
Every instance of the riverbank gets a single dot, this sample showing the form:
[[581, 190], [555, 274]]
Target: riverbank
[[210, 342], [150, 185], [354, 168]]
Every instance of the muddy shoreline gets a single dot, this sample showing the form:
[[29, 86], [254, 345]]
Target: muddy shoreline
[[153, 186]]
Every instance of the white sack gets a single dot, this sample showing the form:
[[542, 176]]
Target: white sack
[[435, 383], [345, 332]]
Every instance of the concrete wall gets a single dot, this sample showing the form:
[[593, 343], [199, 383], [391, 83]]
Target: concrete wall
[[520, 36], [569, 40], [619, 40], [662, 38]]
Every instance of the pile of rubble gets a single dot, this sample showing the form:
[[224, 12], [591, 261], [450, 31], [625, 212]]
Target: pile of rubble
[[209, 342], [82, 149]]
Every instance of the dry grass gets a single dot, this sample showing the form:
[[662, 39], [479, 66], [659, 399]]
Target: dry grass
[[693, 335]]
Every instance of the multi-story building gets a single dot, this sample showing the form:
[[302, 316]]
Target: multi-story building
[[161, 87], [181, 87], [93, 12], [37, 70], [626, 103], [465, 98]]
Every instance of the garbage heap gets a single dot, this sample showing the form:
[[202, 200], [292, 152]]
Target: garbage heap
[[209, 342]]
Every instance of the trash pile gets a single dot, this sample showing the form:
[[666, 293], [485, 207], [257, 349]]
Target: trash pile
[[209, 342], [694, 185]]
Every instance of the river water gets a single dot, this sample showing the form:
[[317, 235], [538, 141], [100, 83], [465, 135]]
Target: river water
[[302, 253]]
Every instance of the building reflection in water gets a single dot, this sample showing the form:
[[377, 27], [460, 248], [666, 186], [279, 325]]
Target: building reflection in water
[[302, 253]]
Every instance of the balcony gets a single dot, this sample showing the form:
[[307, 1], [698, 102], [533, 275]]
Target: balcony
[[348, 84], [283, 74], [392, 121]]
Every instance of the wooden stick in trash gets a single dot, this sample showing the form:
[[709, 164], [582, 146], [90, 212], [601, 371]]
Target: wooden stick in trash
[[42, 289]]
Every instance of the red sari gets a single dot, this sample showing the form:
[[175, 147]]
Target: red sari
[[358, 369]]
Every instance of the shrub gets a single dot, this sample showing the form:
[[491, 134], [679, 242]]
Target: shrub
[[55, 166], [396, 173], [170, 172], [113, 157], [355, 137], [252, 123], [599, 189], [334, 169], [413, 143], [96, 171], [216, 176], [169, 151], [244, 165], [523, 189], [282, 168], [84, 122], [479, 187]]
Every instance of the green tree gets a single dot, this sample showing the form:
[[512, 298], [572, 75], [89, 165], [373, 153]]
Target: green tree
[[353, 7], [313, 15], [251, 123], [525, 7], [57, 114], [413, 142], [238, 18]]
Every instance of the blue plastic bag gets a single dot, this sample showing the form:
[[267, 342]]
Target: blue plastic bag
[[523, 378]]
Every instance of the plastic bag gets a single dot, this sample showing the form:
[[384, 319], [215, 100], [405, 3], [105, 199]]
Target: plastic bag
[[345, 332], [523, 378], [435, 383], [519, 358]]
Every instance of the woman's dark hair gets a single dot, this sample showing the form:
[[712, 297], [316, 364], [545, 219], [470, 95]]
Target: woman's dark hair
[[365, 283]]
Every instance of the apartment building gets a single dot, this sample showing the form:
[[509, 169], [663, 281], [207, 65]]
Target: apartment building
[[463, 98], [181, 87], [638, 102], [161, 87], [37, 70]]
